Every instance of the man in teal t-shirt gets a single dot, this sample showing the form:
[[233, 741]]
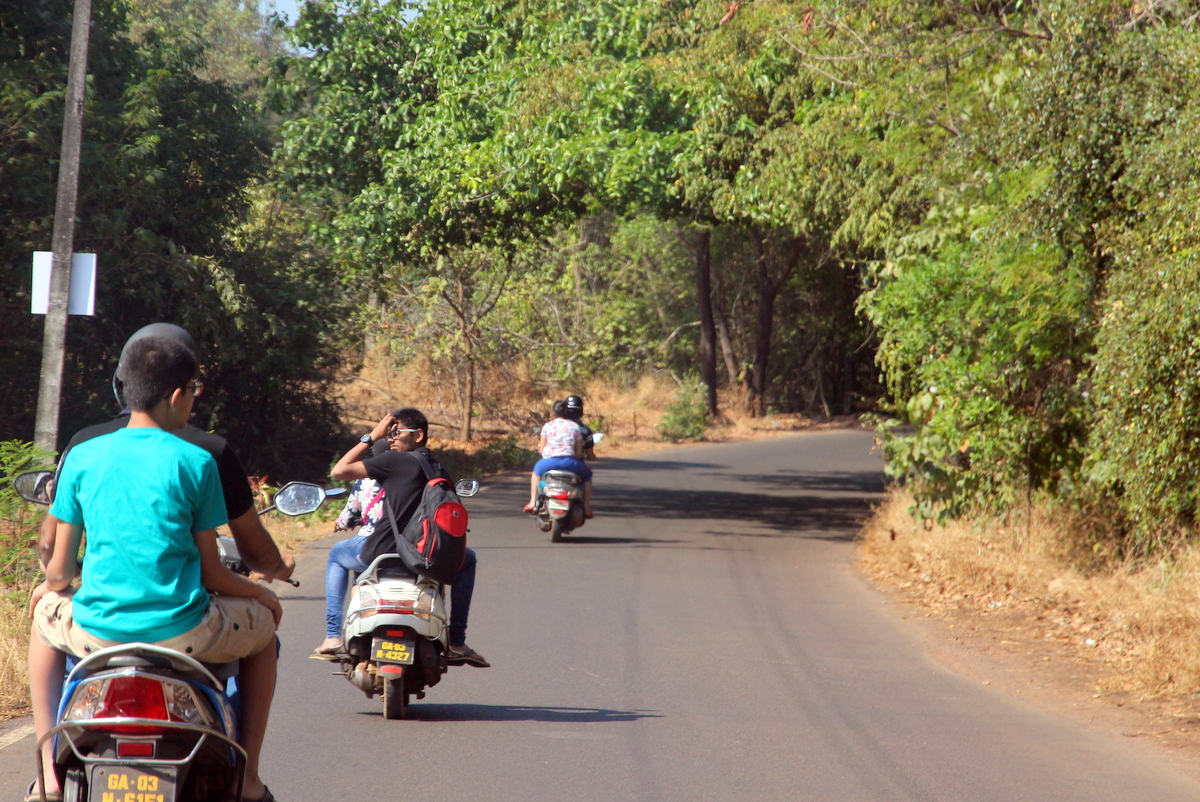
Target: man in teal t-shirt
[[150, 503], [140, 494]]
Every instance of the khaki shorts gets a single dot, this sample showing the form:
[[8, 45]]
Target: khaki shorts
[[233, 627]]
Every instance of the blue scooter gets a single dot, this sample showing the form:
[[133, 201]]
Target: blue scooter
[[140, 723]]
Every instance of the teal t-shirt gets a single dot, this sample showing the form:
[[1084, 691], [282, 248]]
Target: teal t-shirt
[[140, 494]]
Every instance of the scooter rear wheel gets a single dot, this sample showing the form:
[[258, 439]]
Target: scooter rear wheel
[[395, 700], [75, 786], [558, 528]]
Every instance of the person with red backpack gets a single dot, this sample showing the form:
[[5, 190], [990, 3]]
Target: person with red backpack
[[401, 472]]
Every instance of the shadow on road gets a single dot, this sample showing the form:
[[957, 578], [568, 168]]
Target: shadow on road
[[560, 715], [798, 480], [799, 516], [571, 537], [625, 464]]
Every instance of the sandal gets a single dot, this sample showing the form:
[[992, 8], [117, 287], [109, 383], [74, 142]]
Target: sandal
[[527, 508], [330, 653], [589, 514], [267, 797], [465, 656], [33, 795]]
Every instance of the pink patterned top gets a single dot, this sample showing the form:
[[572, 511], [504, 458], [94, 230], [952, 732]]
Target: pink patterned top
[[561, 435]]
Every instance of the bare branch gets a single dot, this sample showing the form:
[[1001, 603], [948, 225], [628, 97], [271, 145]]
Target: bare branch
[[678, 329]]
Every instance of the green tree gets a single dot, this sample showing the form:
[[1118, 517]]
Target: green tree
[[167, 163]]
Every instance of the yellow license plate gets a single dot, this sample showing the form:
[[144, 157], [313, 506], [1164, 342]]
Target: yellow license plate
[[389, 650], [131, 784]]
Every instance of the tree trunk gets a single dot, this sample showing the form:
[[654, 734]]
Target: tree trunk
[[768, 289], [708, 351], [468, 390], [763, 330], [722, 323], [376, 307], [468, 394], [848, 384]]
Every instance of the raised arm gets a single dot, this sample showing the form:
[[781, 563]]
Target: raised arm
[[350, 466]]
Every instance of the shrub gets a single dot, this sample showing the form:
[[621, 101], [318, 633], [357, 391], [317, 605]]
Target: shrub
[[686, 416], [18, 518]]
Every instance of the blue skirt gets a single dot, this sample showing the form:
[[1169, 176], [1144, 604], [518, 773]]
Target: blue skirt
[[572, 464]]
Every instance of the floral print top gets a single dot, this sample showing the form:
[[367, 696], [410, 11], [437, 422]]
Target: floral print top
[[365, 494]]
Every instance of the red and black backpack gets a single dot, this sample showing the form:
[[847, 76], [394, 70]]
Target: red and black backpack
[[434, 543]]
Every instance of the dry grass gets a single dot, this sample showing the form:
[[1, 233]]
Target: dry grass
[[14, 643], [1142, 621], [510, 402]]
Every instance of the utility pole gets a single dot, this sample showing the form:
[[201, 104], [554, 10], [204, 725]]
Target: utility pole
[[54, 339]]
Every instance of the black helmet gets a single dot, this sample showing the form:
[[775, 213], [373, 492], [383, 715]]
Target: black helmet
[[168, 330], [573, 407]]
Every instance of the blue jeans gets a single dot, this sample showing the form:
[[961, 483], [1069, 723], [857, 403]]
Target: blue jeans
[[343, 558]]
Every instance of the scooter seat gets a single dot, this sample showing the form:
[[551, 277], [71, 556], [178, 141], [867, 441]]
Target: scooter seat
[[563, 476], [395, 571]]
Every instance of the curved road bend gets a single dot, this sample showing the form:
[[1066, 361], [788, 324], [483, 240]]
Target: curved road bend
[[705, 638]]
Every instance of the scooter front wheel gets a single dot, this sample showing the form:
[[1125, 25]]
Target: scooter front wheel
[[395, 700]]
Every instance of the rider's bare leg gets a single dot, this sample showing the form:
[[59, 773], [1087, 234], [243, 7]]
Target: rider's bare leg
[[533, 488], [46, 667], [587, 498], [256, 676]]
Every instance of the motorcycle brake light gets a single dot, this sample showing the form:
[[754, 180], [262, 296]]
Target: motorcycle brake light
[[560, 494], [135, 696], [384, 607]]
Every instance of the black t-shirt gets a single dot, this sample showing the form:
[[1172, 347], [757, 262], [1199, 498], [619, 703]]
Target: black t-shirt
[[588, 442], [239, 499], [402, 477]]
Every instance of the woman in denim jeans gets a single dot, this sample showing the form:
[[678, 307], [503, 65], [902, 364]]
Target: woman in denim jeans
[[364, 509]]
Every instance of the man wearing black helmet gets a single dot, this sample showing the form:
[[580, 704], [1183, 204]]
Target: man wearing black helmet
[[573, 410], [254, 543]]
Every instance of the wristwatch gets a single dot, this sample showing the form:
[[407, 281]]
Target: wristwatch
[[366, 439]]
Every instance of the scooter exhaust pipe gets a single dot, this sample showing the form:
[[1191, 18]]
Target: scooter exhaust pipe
[[363, 679]]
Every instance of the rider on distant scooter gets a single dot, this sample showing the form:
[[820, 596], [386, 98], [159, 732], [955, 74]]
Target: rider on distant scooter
[[563, 444]]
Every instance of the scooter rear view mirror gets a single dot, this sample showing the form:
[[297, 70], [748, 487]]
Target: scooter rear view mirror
[[597, 437], [466, 487], [34, 486], [299, 498]]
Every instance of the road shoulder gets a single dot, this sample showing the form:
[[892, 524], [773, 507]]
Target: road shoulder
[[1003, 650]]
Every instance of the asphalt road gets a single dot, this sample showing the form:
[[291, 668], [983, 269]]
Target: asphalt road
[[705, 638]]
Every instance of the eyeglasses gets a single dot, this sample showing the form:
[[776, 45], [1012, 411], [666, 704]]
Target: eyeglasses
[[392, 434], [197, 388]]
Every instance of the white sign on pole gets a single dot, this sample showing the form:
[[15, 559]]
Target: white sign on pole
[[82, 298]]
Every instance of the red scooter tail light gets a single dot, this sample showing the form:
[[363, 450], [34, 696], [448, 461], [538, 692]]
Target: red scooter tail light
[[560, 494], [134, 696], [138, 696]]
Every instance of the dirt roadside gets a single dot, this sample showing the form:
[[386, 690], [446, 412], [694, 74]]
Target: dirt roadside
[[1009, 650]]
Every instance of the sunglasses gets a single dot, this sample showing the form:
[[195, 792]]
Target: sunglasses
[[392, 434], [197, 388]]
